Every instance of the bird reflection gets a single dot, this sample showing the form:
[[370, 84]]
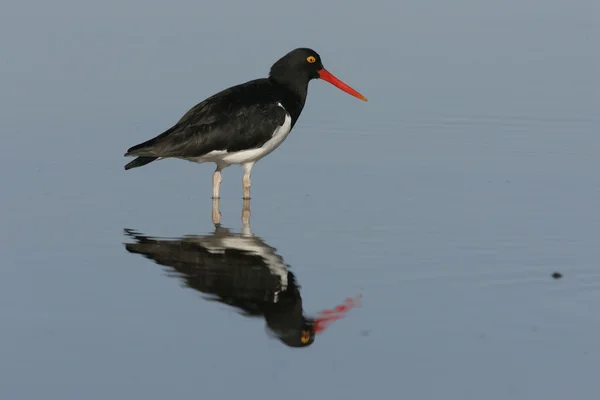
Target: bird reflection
[[242, 271]]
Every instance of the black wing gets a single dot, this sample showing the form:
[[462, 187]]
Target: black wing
[[241, 117]]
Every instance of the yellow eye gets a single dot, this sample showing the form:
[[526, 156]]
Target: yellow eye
[[311, 59], [305, 334]]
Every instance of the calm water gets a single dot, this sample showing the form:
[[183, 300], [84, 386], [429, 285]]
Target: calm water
[[435, 214]]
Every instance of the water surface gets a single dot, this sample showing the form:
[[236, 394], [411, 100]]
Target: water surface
[[444, 204]]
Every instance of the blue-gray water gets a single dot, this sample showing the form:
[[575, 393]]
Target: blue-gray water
[[447, 201]]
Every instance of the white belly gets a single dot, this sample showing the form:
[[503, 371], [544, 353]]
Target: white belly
[[249, 156]]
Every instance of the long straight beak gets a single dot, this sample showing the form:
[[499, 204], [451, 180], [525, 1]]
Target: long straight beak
[[326, 317], [329, 77]]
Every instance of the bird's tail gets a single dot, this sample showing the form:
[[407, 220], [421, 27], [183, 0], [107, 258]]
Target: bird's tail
[[139, 162]]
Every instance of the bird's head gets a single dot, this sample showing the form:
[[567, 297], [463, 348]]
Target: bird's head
[[305, 335], [304, 64]]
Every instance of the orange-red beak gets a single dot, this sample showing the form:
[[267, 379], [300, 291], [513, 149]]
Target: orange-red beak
[[326, 317], [328, 76]]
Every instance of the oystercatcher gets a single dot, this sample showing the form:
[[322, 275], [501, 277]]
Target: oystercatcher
[[242, 271], [244, 123]]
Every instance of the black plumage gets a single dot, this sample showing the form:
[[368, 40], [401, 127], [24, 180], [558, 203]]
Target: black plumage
[[239, 118], [256, 115], [244, 272], [234, 276]]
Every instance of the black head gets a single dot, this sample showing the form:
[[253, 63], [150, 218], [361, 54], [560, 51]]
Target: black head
[[300, 66], [304, 334], [298, 63]]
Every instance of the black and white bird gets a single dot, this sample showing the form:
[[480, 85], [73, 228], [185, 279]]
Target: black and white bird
[[244, 123], [242, 271]]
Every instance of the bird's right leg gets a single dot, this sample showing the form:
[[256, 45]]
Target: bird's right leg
[[217, 179]]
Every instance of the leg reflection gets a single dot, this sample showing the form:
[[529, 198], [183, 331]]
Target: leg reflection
[[246, 231]]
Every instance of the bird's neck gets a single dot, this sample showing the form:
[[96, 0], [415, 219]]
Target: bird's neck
[[293, 95]]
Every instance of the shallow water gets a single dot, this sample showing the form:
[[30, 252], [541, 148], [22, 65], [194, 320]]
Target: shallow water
[[435, 214]]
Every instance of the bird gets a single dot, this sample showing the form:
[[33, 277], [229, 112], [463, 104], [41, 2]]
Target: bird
[[243, 123], [244, 272]]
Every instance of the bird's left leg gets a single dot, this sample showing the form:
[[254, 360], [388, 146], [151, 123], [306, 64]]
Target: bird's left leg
[[217, 179], [246, 181]]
